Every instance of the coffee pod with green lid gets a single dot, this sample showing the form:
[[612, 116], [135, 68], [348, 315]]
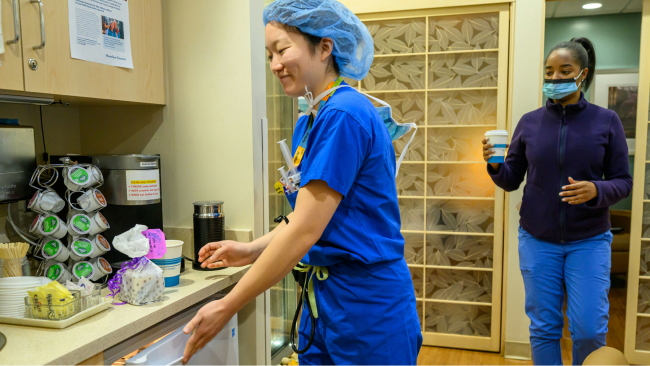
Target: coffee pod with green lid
[[79, 225], [80, 248], [76, 178], [58, 272], [83, 270], [55, 250], [49, 225]]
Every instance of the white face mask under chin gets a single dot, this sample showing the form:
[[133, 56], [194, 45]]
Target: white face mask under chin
[[396, 130]]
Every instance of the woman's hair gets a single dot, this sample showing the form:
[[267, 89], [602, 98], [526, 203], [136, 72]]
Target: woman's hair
[[312, 42], [583, 52]]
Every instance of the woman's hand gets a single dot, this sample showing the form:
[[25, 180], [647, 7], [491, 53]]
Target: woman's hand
[[579, 192], [488, 152], [208, 321], [227, 253]]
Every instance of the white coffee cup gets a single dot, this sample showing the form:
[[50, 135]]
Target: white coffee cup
[[79, 224], [49, 225], [102, 268], [498, 138], [58, 272], [83, 269], [98, 224], [101, 244], [54, 249], [92, 200], [80, 248]]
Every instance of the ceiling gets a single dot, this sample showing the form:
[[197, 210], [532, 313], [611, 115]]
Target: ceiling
[[573, 8]]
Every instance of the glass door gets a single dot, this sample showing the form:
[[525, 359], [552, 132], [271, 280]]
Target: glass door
[[280, 116], [446, 70]]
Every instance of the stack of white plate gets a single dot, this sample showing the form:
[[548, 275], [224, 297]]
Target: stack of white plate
[[13, 291]]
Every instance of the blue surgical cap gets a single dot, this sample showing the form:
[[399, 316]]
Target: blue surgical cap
[[353, 45]]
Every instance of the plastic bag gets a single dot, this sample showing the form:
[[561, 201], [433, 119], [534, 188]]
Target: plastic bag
[[132, 243], [138, 282]]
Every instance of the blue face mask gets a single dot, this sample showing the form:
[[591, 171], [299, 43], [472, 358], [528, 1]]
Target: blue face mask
[[395, 130], [559, 88]]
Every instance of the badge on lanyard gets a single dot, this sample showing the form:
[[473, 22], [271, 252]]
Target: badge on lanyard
[[300, 151]]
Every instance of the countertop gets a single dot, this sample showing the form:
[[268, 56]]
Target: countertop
[[80, 341]]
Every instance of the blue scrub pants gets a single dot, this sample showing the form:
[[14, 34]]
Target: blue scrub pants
[[366, 315], [584, 267]]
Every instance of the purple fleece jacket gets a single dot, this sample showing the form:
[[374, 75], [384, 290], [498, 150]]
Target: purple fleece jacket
[[582, 141]]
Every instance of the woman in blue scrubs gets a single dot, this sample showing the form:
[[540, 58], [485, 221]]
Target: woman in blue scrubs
[[346, 225]]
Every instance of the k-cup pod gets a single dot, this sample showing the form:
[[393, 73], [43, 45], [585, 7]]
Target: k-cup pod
[[58, 272], [46, 201], [92, 200], [79, 224], [76, 178], [96, 177], [102, 268], [100, 243], [80, 248], [498, 138], [53, 249], [83, 270], [49, 225], [98, 224]]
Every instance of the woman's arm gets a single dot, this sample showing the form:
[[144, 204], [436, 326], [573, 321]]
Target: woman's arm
[[511, 173], [618, 180], [315, 206]]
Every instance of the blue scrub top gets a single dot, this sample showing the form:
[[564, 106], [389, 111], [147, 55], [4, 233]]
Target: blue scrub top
[[350, 149]]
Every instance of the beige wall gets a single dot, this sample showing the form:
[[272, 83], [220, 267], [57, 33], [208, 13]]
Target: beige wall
[[529, 26], [61, 126], [204, 134]]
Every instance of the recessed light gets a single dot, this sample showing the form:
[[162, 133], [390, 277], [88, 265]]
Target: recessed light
[[592, 6]]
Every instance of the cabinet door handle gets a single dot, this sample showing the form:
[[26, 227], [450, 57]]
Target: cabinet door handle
[[40, 5], [16, 25]]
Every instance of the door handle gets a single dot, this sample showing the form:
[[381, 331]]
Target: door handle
[[40, 5], [16, 25]]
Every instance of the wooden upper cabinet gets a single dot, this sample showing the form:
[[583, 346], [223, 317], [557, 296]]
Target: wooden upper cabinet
[[11, 70], [59, 74]]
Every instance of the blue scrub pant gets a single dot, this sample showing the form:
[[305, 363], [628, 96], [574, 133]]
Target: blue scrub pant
[[366, 315], [584, 267]]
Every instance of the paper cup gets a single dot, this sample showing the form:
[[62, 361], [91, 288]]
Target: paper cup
[[80, 224], [80, 248], [92, 200], [101, 244], [58, 272], [83, 270], [170, 263], [102, 267], [49, 225], [98, 224], [76, 178], [55, 250], [498, 138]]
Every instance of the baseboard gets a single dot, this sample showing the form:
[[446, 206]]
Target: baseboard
[[518, 351], [187, 236]]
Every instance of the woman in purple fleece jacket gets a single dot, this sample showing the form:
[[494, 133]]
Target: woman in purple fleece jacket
[[576, 158]]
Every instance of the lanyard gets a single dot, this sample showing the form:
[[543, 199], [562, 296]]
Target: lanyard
[[300, 151]]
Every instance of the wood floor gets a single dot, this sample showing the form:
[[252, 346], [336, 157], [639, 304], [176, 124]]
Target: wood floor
[[615, 339]]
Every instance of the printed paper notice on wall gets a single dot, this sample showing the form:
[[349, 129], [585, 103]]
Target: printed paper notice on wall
[[142, 185], [100, 32]]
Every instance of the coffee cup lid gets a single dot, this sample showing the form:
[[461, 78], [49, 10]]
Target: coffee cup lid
[[82, 247], [103, 265], [497, 133], [103, 242], [80, 223], [51, 248], [83, 269], [55, 270], [78, 175], [101, 221]]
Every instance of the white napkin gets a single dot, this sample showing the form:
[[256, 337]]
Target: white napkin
[[132, 242]]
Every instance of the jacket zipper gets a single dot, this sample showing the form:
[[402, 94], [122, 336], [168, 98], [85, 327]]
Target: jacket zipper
[[562, 180]]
